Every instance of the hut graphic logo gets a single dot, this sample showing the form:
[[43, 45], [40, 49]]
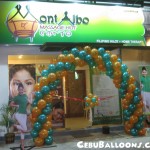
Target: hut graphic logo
[[21, 23]]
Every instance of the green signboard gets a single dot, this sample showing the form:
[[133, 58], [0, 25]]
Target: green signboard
[[40, 22]]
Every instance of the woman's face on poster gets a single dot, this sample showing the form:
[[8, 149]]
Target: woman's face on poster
[[27, 81], [144, 72]]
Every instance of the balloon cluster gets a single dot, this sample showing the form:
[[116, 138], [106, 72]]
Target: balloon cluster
[[91, 101], [67, 61]]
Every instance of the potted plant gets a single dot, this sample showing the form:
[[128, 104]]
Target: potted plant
[[6, 120]]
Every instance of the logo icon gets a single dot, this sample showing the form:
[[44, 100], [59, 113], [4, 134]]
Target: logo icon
[[21, 23]]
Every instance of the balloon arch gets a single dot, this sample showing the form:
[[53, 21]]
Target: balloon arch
[[131, 100]]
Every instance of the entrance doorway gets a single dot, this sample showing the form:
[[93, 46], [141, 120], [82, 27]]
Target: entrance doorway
[[75, 88]]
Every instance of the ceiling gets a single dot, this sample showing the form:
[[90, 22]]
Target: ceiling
[[129, 3]]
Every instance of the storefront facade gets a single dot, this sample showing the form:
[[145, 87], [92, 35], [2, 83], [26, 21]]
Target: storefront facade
[[26, 26]]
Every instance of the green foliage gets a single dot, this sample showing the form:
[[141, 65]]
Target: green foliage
[[6, 113]]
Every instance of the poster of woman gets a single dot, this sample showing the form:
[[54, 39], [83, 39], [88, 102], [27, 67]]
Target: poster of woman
[[21, 86], [22, 74], [144, 75]]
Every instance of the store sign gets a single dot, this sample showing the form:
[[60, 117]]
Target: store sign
[[40, 22]]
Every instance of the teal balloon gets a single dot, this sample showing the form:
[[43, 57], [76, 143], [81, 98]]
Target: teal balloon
[[86, 104], [37, 126], [34, 133], [50, 132], [60, 66], [51, 68], [127, 113], [38, 95], [132, 107], [73, 67], [139, 125], [93, 99], [137, 91], [86, 98], [108, 65], [126, 118], [75, 52], [88, 58], [45, 90], [49, 105], [57, 82], [124, 68], [49, 140], [34, 103], [44, 73], [119, 60], [106, 57], [136, 100], [109, 73], [141, 118], [91, 64], [68, 66], [52, 86], [65, 52], [134, 132], [125, 76], [124, 85], [82, 54], [47, 110], [42, 118], [101, 51], [122, 91]]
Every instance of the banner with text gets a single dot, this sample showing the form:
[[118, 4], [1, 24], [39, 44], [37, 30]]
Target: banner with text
[[40, 22]]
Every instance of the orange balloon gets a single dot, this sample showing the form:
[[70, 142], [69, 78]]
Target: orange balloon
[[36, 112], [88, 100], [43, 133], [94, 53], [38, 141], [51, 77], [109, 52], [113, 58], [129, 96], [127, 130], [59, 75], [125, 102], [48, 98], [128, 125], [61, 58], [32, 120], [47, 125], [117, 74], [87, 49], [41, 104], [142, 132], [99, 60], [52, 93], [131, 79], [90, 95], [81, 63], [138, 112], [43, 81], [133, 119], [131, 88], [140, 104], [117, 66], [49, 117], [37, 87], [63, 73], [70, 58]]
